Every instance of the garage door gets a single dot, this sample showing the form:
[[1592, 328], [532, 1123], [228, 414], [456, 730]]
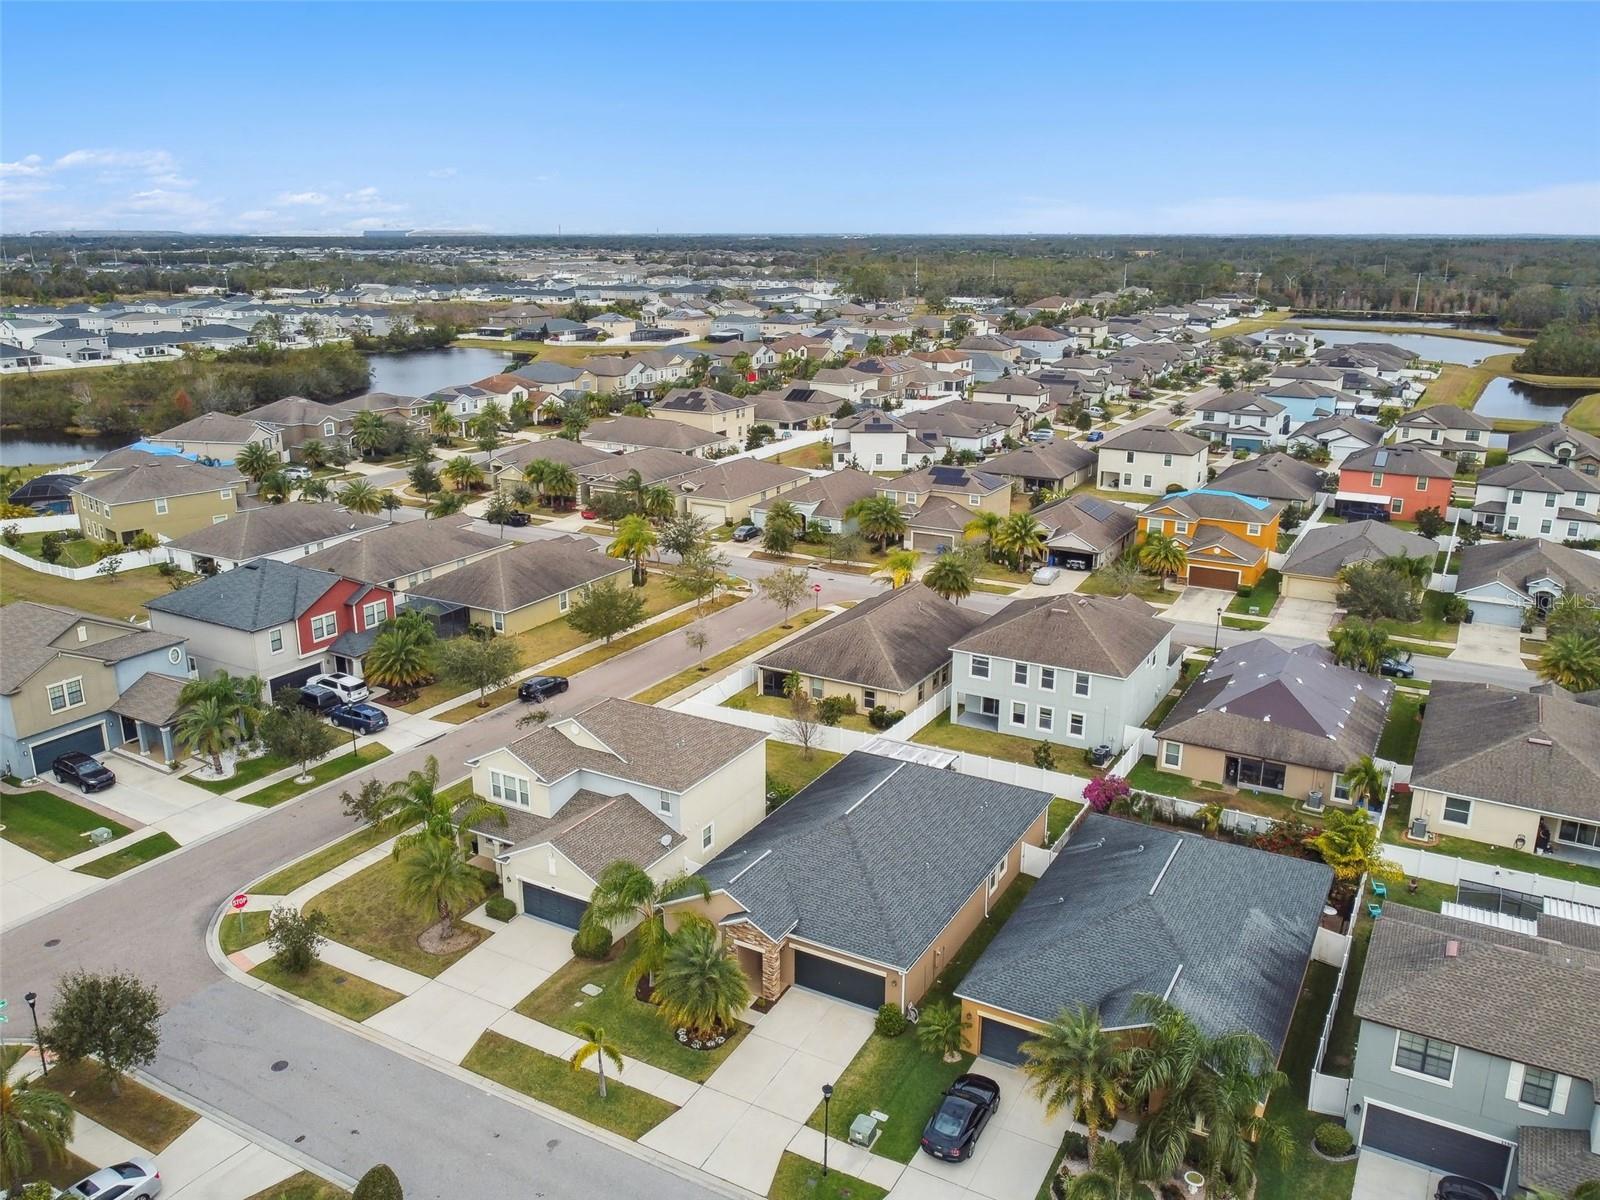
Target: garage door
[[1451, 1151], [88, 741], [835, 979], [1213, 577], [1307, 587], [293, 679], [1073, 560], [1002, 1042], [551, 906]]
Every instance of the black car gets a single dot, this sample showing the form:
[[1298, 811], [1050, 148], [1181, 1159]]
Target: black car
[[541, 687], [319, 699], [77, 767], [1459, 1187], [518, 519], [1397, 668], [964, 1109], [746, 532], [367, 718]]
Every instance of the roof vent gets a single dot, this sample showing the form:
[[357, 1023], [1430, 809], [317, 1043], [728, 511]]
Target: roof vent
[[83, 633], [1452, 949], [1540, 741]]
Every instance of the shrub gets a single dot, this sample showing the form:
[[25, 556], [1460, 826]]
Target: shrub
[[890, 1022], [777, 791], [1453, 609], [1106, 791], [1075, 1145], [882, 718], [1044, 757], [593, 940], [1174, 487], [500, 908], [145, 540], [1333, 1140], [296, 937], [833, 709], [11, 536], [50, 547], [380, 1183], [1244, 592]]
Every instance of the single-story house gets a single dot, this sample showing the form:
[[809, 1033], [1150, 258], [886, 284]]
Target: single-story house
[[1311, 571], [824, 500], [528, 585], [652, 433], [282, 531], [1060, 465], [1501, 581], [509, 466], [725, 493], [218, 436]]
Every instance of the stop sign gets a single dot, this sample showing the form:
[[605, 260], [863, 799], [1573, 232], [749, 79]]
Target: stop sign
[[240, 901]]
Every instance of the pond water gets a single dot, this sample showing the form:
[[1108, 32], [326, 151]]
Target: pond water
[[1462, 351], [1330, 321], [1525, 401], [419, 372], [19, 450]]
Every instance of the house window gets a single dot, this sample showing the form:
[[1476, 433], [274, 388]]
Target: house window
[[1253, 530], [1516, 497], [562, 601], [707, 836], [161, 506], [1166, 460], [1544, 526], [1080, 683], [1075, 724], [499, 621], [1457, 811], [1538, 1088], [996, 875], [1341, 788], [1424, 1056], [328, 429], [1171, 754], [1147, 484], [1262, 773], [664, 805], [980, 667], [1019, 673], [1019, 713], [373, 614], [66, 694], [974, 499], [1047, 678], [1047, 719], [508, 789], [1156, 526], [1377, 479], [1550, 500], [1180, 527], [1511, 524], [324, 626], [1422, 485], [816, 689], [1130, 455], [1397, 505], [869, 698], [1572, 529], [227, 493], [275, 641]]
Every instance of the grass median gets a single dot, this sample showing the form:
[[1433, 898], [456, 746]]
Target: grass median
[[109, 866], [625, 1110], [49, 825]]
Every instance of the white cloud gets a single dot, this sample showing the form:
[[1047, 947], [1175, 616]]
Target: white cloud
[[257, 216], [32, 164]]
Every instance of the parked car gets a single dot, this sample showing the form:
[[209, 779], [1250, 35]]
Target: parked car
[[79, 768], [1361, 510], [540, 688], [1041, 435], [365, 718], [134, 1179], [1396, 667], [518, 519], [588, 514], [1096, 435], [1459, 1187], [746, 533], [297, 474], [319, 699], [964, 1109], [1046, 575], [347, 687]]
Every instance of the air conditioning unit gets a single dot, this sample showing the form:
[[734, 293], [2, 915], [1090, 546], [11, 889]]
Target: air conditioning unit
[[1419, 830], [1314, 800]]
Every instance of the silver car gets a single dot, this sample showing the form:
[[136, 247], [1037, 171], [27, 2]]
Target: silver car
[[135, 1179], [1046, 575]]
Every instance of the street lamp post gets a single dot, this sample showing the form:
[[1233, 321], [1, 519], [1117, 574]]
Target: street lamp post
[[32, 1000], [1216, 640], [827, 1095]]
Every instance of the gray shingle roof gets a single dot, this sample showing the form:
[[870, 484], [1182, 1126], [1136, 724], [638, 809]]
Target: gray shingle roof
[[875, 856], [554, 450], [654, 432], [215, 427], [1517, 562], [256, 596], [1060, 459], [1444, 416], [1150, 439], [1540, 477], [1547, 437], [525, 574], [393, 551], [833, 493], [1103, 635], [655, 465], [252, 532], [1557, 1160], [153, 698], [700, 400], [1222, 931], [29, 633], [1272, 477], [1327, 549], [738, 478], [1401, 458], [591, 829], [1100, 524], [160, 477]]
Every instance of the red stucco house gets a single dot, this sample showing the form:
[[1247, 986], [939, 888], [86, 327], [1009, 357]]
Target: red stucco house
[[1404, 479]]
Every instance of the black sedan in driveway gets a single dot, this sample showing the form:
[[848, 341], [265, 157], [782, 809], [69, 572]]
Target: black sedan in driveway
[[1397, 668], [79, 768], [1459, 1187], [964, 1109], [539, 688], [366, 718]]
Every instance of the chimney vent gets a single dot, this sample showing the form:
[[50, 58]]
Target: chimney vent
[[1452, 949]]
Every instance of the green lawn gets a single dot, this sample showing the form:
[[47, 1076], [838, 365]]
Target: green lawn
[[348, 995], [1062, 811], [49, 825], [248, 771], [1432, 627], [751, 700], [1495, 856], [789, 766], [108, 866], [303, 872], [302, 1185], [120, 598], [142, 1115], [1306, 1176], [1399, 740], [899, 1077], [1145, 778], [816, 456], [325, 772], [1246, 624], [799, 1178], [634, 1025], [941, 732], [1262, 597], [1159, 713], [80, 552], [366, 913], [674, 684], [1341, 1055], [1146, 587], [239, 930], [625, 1110]]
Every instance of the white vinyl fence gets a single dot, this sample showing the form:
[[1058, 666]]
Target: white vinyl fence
[[1330, 1094], [130, 560], [1441, 868], [45, 524]]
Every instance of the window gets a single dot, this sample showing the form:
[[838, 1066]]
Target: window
[[1544, 526], [161, 506], [66, 694], [996, 875], [664, 805], [1019, 673], [1538, 1088], [1424, 1056], [1171, 754], [869, 698], [1080, 683], [1019, 713], [1397, 505], [816, 689], [329, 429], [562, 601], [1130, 455], [275, 641], [372, 615], [1147, 484], [1047, 678], [1511, 524], [1166, 460], [499, 621], [1047, 719], [221, 517], [1262, 773], [324, 626], [1253, 529], [1457, 811], [1075, 724], [1550, 499], [1422, 484], [1156, 526], [508, 789], [1377, 479], [227, 493], [1180, 527], [1572, 529], [1341, 788], [980, 667], [707, 836]]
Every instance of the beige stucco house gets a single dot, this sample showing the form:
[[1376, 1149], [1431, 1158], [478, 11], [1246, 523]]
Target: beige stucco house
[[220, 436], [166, 496], [528, 585]]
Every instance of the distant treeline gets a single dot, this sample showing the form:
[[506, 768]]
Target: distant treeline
[[1563, 348]]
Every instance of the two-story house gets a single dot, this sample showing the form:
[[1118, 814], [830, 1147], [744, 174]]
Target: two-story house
[[1538, 500], [1559, 444], [297, 421], [617, 781], [1227, 536], [729, 417], [280, 622], [403, 557], [1241, 421], [283, 531], [165, 495], [1340, 436], [1446, 429], [939, 502], [1074, 670], [1478, 1050], [218, 436], [1394, 483], [1150, 459], [876, 441], [68, 680], [1505, 583]]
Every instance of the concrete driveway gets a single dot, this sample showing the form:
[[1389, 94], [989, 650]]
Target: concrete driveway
[[1500, 645], [1199, 605], [1379, 1177], [1308, 619]]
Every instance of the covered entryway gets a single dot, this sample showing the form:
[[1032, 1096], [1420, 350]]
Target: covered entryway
[[91, 739], [1442, 1147], [1213, 577], [835, 979], [552, 906], [1002, 1042]]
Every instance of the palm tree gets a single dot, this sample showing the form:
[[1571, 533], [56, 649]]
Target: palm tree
[[1359, 645], [29, 1117], [1418, 570], [359, 496], [369, 433], [208, 727], [239, 696], [314, 454], [623, 891], [257, 460], [700, 985], [559, 482], [1022, 537], [1111, 1176], [1163, 555], [900, 566], [463, 473], [878, 518], [635, 539], [415, 803], [445, 504], [658, 503], [950, 576], [400, 658], [1572, 661], [435, 874], [574, 419], [597, 1046], [442, 423], [316, 490], [1365, 779], [492, 415], [984, 526], [1074, 1064], [941, 1030], [275, 488], [785, 515]]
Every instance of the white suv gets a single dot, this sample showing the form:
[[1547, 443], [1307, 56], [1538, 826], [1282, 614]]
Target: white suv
[[347, 687]]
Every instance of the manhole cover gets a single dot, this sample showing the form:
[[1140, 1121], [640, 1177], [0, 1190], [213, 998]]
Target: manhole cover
[[52, 943], [281, 1065]]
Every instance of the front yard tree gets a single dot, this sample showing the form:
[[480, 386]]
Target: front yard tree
[[415, 809], [486, 665], [499, 510], [701, 573], [434, 873], [1163, 555], [298, 735], [401, 656], [786, 588], [941, 1030], [113, 1019], [782, 527], [635, 539], [682, 534], [696, 639], [950, 576], [296, 937], [700, 986], [606, 611], [31, 1118], [1377, 592], [625, 891], [207, 729], [462, 473], [1359, 645], [1572, 661], [984, 527], [1074, 1064], [1430, 522], [596, 1045], [257, 460], [878, 518], [901, 567], [359, 496], [1021, 538], [1111, 1177]]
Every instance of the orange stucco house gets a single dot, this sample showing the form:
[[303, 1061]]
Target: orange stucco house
[[1227, 537]]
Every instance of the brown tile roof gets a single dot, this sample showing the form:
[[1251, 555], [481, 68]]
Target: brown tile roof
[[523, 575], [592, 830], [1102, 635]]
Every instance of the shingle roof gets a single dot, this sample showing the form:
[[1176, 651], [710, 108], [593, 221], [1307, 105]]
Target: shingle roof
[[1529, 750], [159, 477], [656, 432], [892, 641], [875, 856], [1445, 416], [833, 493], [29, 631], [1546, 438], [1326, 549], [1103, 635], [1400, 458], [741, 477], [555, 450], [1098, 523], [253, 597], [655, 465], [1293, 705], [1334, 427], [1272, 477], [700, 400], [1215, 504], [1533, 1000], [293, 410], [1557, 1160], [1238, 401], [658, 747], [1155, 440], [153, 698], [1517, 562], [253, 532], [1128, 909], [393, 551], [1059, 459], [214, 427], [1540, 477], [525, 574], [948, 479], [591, 829]]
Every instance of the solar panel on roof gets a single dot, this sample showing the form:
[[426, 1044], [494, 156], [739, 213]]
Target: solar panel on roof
[[1381, 459], [1098, 509]]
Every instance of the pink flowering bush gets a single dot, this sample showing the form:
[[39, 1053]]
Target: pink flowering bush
[[1102, 793]]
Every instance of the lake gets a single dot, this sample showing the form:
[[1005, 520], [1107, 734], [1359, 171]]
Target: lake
[[418, 372], [1525, 401], [22, 451], [1461, 351]]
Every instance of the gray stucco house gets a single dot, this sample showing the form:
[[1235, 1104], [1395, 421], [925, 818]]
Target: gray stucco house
[[1502, 580]]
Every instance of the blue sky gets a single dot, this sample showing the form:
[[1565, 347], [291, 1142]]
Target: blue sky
[[797, 118]]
